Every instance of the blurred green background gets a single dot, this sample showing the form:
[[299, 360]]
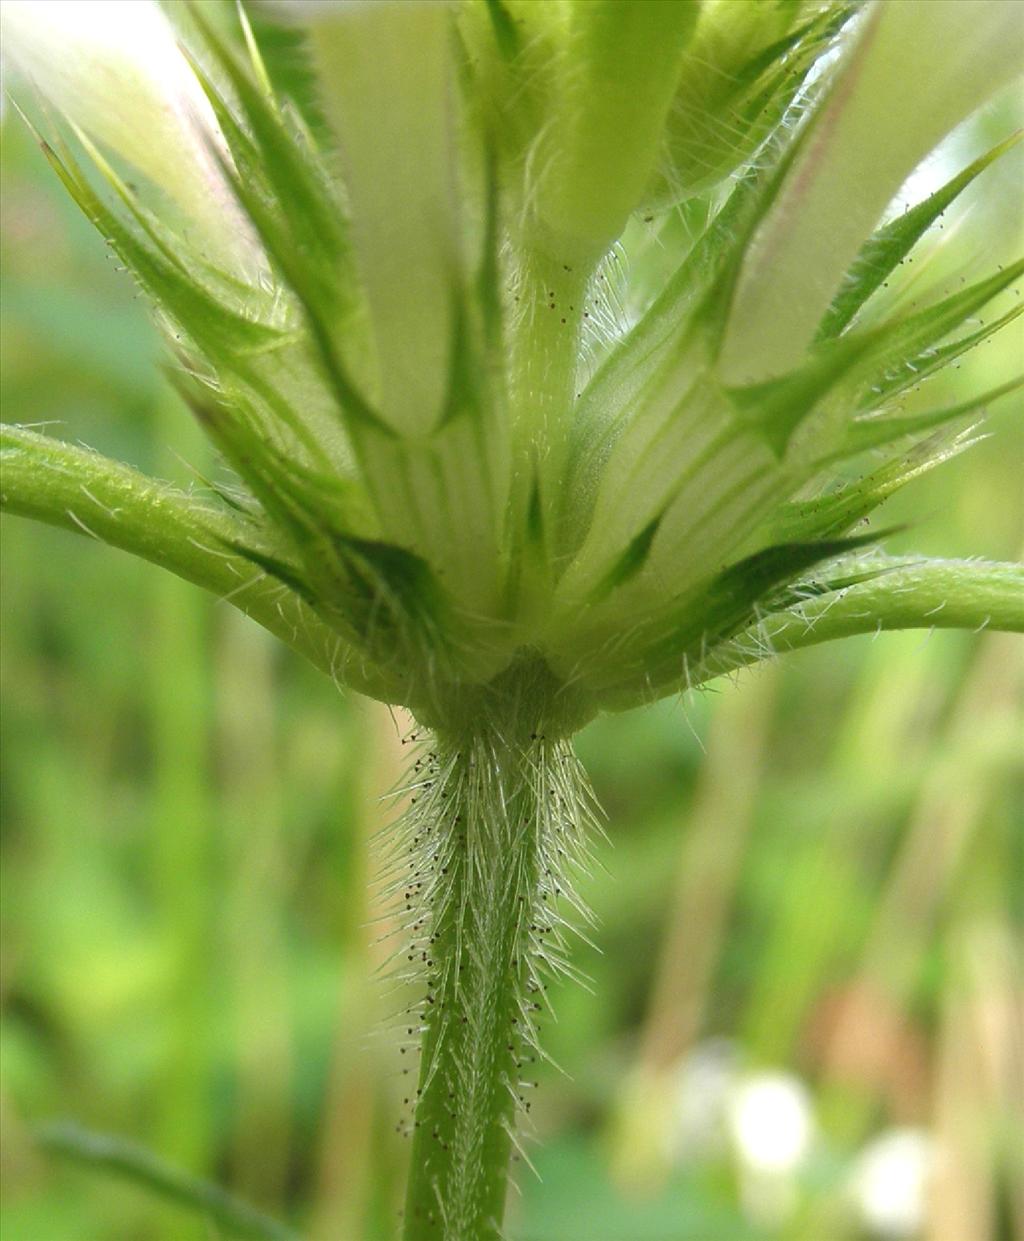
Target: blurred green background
[[804, 1020]]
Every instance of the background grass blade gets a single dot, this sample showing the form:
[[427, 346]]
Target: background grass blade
[[115, 1156]]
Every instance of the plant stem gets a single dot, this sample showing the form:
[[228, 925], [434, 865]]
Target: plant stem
[[500, 812], [85, 492], [912, 594], [471, 1048]]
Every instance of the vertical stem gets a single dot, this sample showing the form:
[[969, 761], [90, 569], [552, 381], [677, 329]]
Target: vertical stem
[[471, 1048], [498, 814]]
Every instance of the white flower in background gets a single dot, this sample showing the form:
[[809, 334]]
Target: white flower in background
[[115, 70], [890, 1182], [705, 1079], [770, 1121], [771, 1124]]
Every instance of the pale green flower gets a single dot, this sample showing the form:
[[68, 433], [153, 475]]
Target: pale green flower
[[434, 480]]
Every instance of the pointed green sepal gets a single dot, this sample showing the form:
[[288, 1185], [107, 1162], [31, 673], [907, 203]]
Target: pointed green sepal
[[740, 74], [845, 176], [218, 330], [286, 165], [883, 253], [690, 627], [836, 512], [776, 408], [867, 433], [906, 351], [630, 563]]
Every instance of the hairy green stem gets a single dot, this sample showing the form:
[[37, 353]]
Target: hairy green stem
[[85, 492], [472, 1051], [930, 594], [905, 594], [497, 823]]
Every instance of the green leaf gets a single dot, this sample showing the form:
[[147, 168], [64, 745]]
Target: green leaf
[[396, 591], [300, 222], [843, 575], [505, 33], [286, 55], [282, 185], [639, 370], [286, 573], [740, 74], [303, 198], [440, 495], [766, 184], [120, 1158], [883, 253], [739, 592], [216, 328], [630, 563], [307, 509], [913, 371], [669, 317], [445, 498], [777, 407], [687, 628], [384, 599]]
